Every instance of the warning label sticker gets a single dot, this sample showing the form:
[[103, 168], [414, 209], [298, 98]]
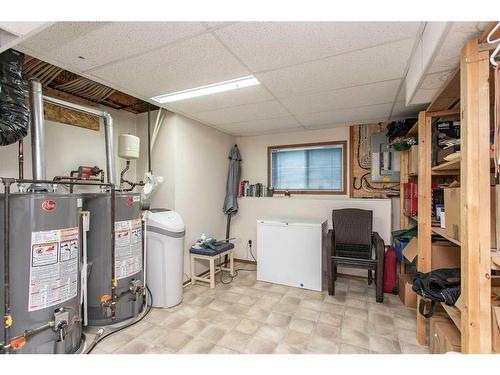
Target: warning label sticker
[[53, 268], [128, 248]]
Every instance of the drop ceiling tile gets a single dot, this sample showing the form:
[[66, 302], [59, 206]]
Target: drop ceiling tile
[[346, 116], [255, 111], [342, 124], [190, 63], [356, 68], [375, 93], [402, 111], [261, 126], [280, 44], [102, 42], [247, 95]]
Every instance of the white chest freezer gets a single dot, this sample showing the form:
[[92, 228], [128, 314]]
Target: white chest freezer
[[289, 251]]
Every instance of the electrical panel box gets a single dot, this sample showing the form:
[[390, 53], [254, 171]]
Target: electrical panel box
[[385, 159]]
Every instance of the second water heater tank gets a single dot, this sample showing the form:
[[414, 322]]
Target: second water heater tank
[[129, 262]]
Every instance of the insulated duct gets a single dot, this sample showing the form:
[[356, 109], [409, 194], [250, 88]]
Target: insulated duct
[[108, 132], [13, 112]]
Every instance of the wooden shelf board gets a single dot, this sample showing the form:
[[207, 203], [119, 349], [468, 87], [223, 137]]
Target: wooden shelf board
[[451, 168], [453, 165], [411, 217], [440, 231], [454, 314]]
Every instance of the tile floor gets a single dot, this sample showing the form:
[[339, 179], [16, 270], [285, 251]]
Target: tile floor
[[249, 316]]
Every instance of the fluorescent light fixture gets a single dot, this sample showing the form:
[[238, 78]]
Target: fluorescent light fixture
[[233, 84]]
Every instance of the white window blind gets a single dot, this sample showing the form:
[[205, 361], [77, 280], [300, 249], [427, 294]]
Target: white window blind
[[308, 168]]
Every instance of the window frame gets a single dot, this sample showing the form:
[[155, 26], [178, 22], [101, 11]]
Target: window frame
[[343, 145]]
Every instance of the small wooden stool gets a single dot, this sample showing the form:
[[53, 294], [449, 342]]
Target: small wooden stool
[[211, 255]]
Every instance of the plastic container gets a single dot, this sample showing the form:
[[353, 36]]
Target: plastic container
[[128, 146], [165, 257]]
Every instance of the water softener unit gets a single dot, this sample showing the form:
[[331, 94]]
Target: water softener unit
[[40, 253]]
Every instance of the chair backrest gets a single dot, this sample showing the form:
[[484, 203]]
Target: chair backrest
[[352, 226]]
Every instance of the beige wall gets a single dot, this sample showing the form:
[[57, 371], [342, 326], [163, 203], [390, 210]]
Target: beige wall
[[68, 147], [192, 158], [254, 168], [254, 149]]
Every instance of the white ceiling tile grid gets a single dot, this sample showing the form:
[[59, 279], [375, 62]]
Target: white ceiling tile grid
[[363, 95], [345, 116], [255, 127], [374, 64], [313, 74], [194, 62], [100, 43], [247, 95], [255, 111], [271, 45]]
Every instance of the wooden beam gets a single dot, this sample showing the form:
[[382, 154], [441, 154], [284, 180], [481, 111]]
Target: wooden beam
[[448, 112], [486, 31], [424, 207], [475, 200], [69, 116], [403, 178]]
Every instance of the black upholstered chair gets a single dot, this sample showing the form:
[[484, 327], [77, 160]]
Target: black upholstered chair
[[352, 244]]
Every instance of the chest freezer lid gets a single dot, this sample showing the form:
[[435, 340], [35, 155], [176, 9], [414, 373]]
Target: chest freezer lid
[[292, 221], [168, 220]]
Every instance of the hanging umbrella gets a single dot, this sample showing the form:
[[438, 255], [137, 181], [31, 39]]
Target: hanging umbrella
[[232, 184]]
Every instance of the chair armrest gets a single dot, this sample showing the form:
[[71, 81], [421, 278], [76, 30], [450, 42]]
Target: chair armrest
[[378, 245]]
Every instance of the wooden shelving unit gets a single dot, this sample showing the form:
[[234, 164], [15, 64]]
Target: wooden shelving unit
[[441, 232], [466, 94], [450, 166], [454, 314]]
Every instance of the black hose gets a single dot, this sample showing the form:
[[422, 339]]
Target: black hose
[[148, 310]]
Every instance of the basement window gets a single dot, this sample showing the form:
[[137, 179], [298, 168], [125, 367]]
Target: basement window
[[311, 168]]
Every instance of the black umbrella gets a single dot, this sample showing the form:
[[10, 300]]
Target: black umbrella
[[232, 185]]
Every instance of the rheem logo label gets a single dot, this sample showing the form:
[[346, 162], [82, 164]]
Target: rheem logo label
[[49, 205]]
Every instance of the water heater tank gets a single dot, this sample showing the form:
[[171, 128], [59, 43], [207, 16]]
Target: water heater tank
[[128, 146], [129, 260], [45, 264]]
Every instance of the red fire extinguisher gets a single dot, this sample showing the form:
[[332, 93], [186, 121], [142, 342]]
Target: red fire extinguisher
[[390, 276]]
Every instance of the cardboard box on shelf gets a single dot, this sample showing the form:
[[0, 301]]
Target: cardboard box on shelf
[[406, 294], [444, 254], [413, 160], [442, 153], [452, 214]]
